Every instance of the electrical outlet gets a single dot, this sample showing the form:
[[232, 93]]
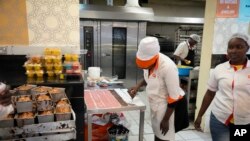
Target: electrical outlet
[[3, 50]]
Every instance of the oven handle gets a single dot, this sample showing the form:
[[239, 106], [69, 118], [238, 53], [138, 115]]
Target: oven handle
[[105, 54]]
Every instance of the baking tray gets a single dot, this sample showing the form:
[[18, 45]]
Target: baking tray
[[24, 121], [44, 105], [62, 135], [9, 122], [24, 92], [63, 116], [51, 129], [36, 91], [57, 96], [64, 99], [29, 135], [45, 118], [24, 106]]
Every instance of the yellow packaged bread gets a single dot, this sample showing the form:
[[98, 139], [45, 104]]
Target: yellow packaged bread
[[30, 73], [50, 73], [39, 73]]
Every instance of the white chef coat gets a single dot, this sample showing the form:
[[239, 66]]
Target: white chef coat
[[232, 93], [183, 49], [162, 87]]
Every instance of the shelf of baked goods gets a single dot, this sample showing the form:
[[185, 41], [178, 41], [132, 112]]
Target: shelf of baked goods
[[50, 63], [72, 70], [53, 64], [39, 113]]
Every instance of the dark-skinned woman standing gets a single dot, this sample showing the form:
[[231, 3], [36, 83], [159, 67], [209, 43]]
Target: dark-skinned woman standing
[[229, 88]]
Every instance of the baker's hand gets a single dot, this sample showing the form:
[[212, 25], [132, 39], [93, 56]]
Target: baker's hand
[[5, 97], [187, 61], [197, 124], [132, 91], [164, 126]]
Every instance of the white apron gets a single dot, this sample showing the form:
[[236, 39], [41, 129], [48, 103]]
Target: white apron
[[158, 106]]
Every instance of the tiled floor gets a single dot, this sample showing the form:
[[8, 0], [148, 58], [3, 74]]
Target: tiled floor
[[132, 117]]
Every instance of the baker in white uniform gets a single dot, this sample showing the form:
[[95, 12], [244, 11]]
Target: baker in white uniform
[[185, 52], [162, 87]]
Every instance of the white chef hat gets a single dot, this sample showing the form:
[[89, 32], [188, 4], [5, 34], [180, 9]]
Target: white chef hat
[[148, 52], [195, 37], [241, 36]]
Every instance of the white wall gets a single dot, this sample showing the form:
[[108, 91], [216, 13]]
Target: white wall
[[51, 23]]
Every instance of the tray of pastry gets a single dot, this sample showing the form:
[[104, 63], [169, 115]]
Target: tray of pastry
[[24, 103], [7, 121], [24, 89], [63, 110], [45, 116], [57, 93], [44, 102], [37, 115], [40, 90], [29, 126], [25, 118]]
